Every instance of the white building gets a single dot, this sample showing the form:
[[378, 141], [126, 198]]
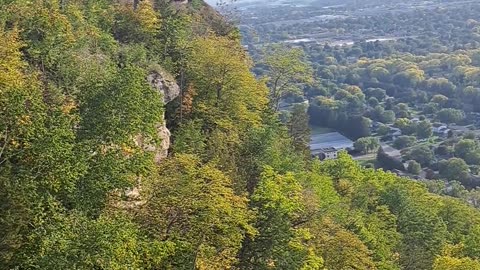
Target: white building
[[328, 153]]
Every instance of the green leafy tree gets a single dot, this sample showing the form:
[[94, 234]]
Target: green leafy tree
[[407, 126], [278, 200], [286, 69], [414, 167], [444, 150], [421, 154], [377, 93], [441, 85], [380, 73], [342, 249], [409, 78], [383, 130], [194, 206], [109, 242], [454, 169], [357, 127], [40, 163], [464, 147], [367, 144], [388, 162], [424, 129], [471, 243], [11, 64], [404, 142], [388, 117], [450, 115], [423, 232], [118, 138], [189, 139], [373, 102], [451, 263], [298, 127], [441, 100], [473, 158], [227, 94], [136, 25]]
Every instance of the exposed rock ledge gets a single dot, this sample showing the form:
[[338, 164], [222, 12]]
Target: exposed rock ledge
[[165, 84], [168, 87]]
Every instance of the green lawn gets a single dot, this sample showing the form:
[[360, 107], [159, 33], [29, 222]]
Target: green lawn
[[364, 162]]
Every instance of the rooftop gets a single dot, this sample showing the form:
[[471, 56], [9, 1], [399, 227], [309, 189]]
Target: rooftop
[[320, 141]]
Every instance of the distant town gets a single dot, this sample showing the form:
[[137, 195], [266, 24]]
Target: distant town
[[396, 84]]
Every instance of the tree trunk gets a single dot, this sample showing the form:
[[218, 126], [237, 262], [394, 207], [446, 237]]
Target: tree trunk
[[219, 95]]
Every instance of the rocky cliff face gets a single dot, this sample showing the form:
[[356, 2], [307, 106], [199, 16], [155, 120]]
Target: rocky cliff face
[[167, 86]]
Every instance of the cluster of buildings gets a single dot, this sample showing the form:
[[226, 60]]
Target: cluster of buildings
[[439, 129], [326, 146]]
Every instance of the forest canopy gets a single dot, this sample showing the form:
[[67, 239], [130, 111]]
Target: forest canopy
[[85, 182]]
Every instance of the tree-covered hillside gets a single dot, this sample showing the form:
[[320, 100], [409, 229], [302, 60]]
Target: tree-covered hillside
[[85, 181]]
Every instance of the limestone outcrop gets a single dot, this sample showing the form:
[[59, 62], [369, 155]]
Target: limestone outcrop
[[164, 83]]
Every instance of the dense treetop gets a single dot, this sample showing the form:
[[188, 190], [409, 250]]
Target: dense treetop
[[80, 187]]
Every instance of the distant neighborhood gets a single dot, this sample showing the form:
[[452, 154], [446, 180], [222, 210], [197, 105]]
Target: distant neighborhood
[[326, 144]]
